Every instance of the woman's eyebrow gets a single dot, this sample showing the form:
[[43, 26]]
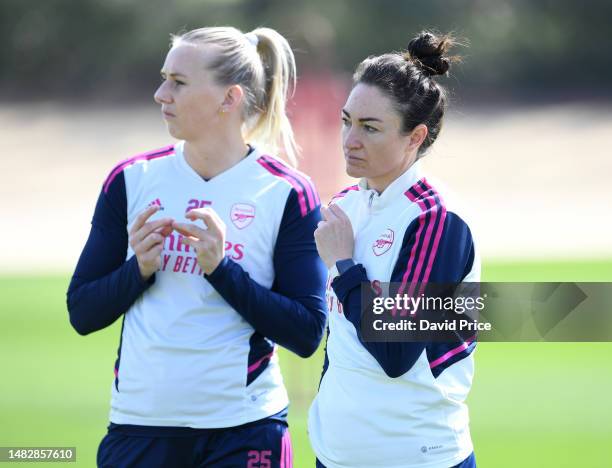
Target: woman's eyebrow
[[173, 74], [364, 119]]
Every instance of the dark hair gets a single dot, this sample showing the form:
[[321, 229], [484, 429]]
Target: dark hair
[[407, 78]]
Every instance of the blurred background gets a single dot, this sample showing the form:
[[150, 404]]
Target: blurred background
[[526, 146]]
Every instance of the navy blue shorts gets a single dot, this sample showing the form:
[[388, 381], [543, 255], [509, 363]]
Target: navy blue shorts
[[261, 444], [469, 462]]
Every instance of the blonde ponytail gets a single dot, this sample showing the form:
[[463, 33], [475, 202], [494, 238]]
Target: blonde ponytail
[[262, 62], [273, 125]]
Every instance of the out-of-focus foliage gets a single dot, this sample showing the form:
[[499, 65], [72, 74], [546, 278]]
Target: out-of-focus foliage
[[114, 48]]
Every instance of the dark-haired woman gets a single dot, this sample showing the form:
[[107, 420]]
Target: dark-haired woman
[[402, 404]]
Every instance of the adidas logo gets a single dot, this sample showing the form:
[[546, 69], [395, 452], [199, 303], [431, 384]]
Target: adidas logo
[[156, 202]]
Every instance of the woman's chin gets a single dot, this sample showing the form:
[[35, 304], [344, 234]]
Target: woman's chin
[[354, 171], [174, 131]]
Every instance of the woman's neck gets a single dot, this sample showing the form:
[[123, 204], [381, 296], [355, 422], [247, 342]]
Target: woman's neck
[[211, 158], [382, 182]]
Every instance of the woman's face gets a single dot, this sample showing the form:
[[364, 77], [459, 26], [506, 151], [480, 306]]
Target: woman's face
[[373, 144], [189, 97]]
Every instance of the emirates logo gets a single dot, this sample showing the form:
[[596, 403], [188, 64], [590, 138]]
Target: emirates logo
[[384, 242], [242, 214]]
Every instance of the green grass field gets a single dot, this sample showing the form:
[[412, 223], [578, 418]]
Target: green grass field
[[532, 404]]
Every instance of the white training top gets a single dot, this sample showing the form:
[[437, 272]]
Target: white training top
[[184, 356], [361, 418]]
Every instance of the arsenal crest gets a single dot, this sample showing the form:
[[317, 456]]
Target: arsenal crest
[[242, 214], [383, 243]]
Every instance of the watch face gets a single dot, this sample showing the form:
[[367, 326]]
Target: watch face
[[344, 265]]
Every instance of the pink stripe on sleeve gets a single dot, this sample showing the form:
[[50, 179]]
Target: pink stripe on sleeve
[[438, 213], [412, 256], [423, 254], [434, 250], [434, 210], [445, 357], [416, 243]]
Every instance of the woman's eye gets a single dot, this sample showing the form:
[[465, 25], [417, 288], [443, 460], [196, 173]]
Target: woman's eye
[[370, 129], [345, 121], [175, 83]]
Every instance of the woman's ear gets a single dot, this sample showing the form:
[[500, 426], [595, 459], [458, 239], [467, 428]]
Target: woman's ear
[[233, 98], [417, 136]]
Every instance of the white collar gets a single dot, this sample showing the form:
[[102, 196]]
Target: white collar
[[395, 190]]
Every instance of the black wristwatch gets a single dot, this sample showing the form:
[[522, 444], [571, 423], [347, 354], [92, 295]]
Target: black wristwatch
[[343, 265]]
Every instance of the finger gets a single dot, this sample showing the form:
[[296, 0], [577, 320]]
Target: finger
[[339, 212], [321, 223], [164, 230], [149, 242], [331, 213], [142, 218], [154, 256], [342, 217], [191, 241], [155, 252], [218, 221], [193, 215], [210, 218], [150, 227], [324, 212], [189, 230]]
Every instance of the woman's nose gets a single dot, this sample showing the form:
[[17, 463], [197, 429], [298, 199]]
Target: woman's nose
[[351, 140], [161, 96]]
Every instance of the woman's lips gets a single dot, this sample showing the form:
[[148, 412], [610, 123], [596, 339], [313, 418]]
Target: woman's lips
[[354, 159]]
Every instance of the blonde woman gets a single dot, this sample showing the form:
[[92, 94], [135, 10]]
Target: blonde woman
[[205, 249]]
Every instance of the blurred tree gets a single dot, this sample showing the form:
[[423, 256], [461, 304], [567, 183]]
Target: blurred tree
[[113, 49]]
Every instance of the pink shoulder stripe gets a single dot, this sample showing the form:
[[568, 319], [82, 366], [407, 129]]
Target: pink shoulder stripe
[[343, 193], [158, 153], [307, 195], [311, 193], [431, 206], [438, 234]]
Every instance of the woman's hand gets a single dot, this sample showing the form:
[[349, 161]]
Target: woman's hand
[[209, 243], [147, 241], [334, 236]]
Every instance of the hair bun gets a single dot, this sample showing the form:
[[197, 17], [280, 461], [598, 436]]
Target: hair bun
[[427, 51]]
